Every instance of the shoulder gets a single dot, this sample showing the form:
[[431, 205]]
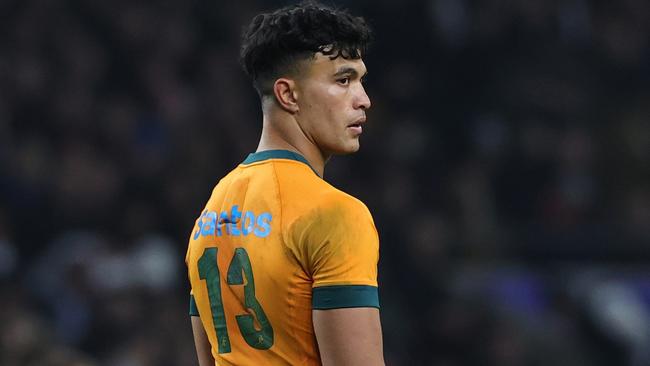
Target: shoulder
[[307, 200], [337, 202], [331, 212], [320, 198]]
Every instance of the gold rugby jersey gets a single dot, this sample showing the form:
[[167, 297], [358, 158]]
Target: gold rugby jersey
[[274, 242]]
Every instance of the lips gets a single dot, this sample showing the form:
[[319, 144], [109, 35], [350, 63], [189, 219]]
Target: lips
[[358, 122], [355, 127]]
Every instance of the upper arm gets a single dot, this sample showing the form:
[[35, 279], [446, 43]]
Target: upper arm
[[203, 348], [343, 251], [350, 336]]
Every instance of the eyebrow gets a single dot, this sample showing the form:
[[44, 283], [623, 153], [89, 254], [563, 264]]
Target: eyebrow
[[347, 70]]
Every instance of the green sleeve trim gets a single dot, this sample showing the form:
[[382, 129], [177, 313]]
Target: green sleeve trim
[[345, 296], [194, 311]]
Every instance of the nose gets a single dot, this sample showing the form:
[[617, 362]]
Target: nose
[[362, 101]]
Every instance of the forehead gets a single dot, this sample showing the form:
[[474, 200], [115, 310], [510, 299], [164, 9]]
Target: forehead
[[323, 64]]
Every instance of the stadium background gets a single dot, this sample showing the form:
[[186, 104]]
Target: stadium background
[[506, 162]]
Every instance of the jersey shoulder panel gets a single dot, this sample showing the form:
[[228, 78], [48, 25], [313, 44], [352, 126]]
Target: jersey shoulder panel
[[330, 232]]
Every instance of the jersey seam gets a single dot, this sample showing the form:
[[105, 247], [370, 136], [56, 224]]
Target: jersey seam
[[277, 181], [346, 283], [282, 234]]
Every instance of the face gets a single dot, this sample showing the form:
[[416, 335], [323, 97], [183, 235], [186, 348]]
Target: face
[[332, 103]]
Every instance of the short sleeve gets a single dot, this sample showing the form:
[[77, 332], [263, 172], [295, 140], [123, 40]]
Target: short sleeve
[[194, 310], [341, 248]]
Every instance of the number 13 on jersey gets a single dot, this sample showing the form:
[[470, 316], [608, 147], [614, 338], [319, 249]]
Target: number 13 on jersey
[[240, 266]]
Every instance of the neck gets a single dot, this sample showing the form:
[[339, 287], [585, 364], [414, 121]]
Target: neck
[[281, 131]]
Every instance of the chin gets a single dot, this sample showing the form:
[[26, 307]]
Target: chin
[[349, 149]]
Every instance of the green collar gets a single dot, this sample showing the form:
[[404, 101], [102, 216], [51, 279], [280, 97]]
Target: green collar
[[276, 154]]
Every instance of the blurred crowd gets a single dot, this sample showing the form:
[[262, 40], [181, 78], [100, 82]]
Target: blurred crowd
[[506, 162]]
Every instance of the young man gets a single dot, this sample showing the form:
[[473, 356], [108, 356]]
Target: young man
[[283, 266]]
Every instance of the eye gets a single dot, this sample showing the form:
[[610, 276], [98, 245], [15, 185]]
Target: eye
[[343, 81]]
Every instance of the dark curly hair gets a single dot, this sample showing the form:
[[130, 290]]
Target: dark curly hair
[[274, 43]]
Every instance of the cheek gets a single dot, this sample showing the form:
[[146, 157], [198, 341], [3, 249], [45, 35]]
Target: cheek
[[326, 106], [334, 99], [335, 94], [333, 90]]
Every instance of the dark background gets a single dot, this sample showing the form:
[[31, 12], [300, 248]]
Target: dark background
[[506, 161]]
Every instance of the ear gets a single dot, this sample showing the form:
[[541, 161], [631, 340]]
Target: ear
[[285, 93]]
